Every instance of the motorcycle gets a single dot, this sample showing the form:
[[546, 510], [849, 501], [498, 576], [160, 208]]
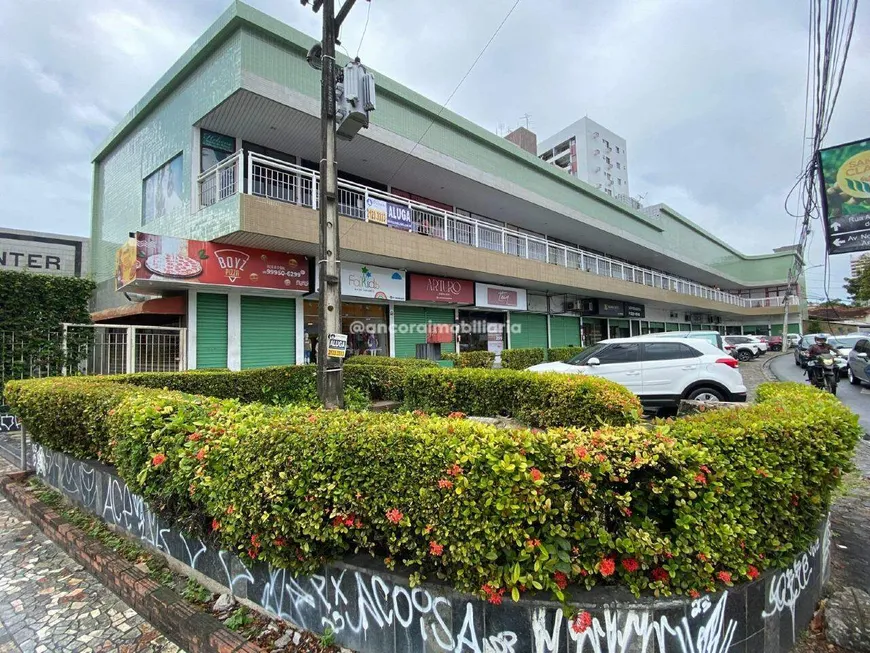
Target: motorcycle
[[823, 373]]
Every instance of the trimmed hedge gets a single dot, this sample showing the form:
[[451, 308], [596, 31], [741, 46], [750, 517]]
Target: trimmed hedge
[[520, 359], [676, 506], [471, 359], [540, 400], [380, 361]]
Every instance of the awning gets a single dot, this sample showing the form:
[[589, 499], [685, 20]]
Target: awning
[[160, 306]]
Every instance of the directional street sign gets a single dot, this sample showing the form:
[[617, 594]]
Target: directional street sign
[[857, 241], [845, 177]]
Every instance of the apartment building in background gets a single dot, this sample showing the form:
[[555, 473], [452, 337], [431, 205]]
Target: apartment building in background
[[857, 262], [206, 194], [592, 153]]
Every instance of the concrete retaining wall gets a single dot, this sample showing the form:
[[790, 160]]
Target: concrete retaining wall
[[373, 610]]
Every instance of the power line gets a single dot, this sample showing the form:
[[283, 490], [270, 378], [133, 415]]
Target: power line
[[365, 27], [464, 77]]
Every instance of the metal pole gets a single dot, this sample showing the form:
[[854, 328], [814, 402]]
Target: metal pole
[[329, 372], [23, 448]]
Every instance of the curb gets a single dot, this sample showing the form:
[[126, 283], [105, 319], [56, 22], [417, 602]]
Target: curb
[[193, 631], [765, 367]]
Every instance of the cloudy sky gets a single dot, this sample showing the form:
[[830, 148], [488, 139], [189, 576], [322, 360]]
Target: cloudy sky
[[708, 94]]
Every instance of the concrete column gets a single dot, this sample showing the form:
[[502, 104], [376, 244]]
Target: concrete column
[[300, 330], [391, 326], [234, 330], [191, 329]]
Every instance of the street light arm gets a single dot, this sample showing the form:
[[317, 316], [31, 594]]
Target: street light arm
[[342, 14]]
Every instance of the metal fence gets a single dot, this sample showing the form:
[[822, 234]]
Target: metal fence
[[81, 349]]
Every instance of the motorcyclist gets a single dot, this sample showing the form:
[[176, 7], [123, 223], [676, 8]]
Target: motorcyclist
[[821, 346]]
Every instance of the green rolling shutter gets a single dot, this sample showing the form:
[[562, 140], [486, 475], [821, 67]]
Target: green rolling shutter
[[408, 335], [528, 330], [268, 331], [211, 330], [564, 331], [672, 326]]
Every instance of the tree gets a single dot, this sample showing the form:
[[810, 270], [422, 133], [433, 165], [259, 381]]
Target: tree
[[814, 326], [858, 286]]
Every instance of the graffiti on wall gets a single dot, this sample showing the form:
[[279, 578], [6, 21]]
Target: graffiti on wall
[[373, 610], [9, 423]]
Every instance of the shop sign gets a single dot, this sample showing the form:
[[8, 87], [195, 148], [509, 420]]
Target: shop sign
[[489, 296], [635, 310], [372, 282], [399, 217], [336, 345], [150, 260], [441, 289], [608, 308], [47, 254], [376, 211]]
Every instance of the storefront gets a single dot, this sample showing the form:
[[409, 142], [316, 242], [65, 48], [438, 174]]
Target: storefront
[[485, 327], [366, 294], [244, 305], [421, 326]]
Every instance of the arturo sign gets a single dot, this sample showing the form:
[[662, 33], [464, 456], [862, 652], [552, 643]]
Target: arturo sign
[[424, 287]]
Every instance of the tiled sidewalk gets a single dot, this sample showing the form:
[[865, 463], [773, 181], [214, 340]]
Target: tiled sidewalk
[[49, 604]]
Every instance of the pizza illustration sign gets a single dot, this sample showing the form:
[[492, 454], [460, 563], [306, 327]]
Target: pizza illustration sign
[[152, 261]]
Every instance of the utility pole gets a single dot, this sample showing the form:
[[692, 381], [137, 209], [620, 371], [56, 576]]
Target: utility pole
[[330, 385]]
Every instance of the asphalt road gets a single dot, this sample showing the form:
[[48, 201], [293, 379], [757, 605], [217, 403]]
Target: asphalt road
[[855, 397]]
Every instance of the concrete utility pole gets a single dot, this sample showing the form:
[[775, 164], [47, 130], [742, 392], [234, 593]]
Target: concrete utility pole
[[330, 386]]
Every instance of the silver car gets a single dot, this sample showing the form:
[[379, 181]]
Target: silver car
[[858, 368]]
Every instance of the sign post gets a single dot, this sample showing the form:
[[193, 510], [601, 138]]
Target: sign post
[[845, 177], [337, 345]]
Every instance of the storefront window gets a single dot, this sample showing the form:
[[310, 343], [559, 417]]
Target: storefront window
[[620, 329], [481, 331], [365, 325], [593, 330]]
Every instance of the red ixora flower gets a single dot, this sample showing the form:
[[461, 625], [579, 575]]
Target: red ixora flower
[[456, 414], [445, 484], [694, 594], [436, 549], [158, 459], [700, 478], [200, 454], [195, 436], [255, 540], [394, 515], [581, 622], [454, 470], [705, 469], [607, 567], [536, 474], [724, 576], [580, 452], [660, 574], [312, 417], [215, 525], [752, 572], [630, 564], [279, 541], [493, 595], [533, 542], [560, 579]]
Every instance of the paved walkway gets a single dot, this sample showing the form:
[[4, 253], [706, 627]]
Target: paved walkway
[[49, 604]]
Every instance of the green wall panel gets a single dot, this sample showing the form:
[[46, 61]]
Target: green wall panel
[[776, 328], [564, 331], [268, 331], [408, 336], [532, 330], [211, 330]]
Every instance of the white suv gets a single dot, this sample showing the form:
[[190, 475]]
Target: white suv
[[660, 371]]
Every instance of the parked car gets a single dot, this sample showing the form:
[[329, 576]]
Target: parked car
[[793, 339], [713, 337], [775, 343], [660, 371], [858, 367], [761, 341], [741, 347], [802, 348]]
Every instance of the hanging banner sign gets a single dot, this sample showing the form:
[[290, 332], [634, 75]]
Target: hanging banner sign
[[336, 345], [399, 217], [490, 296], [376, 211], [845, 178]]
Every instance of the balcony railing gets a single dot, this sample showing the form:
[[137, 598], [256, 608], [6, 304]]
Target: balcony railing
[[278, 180]]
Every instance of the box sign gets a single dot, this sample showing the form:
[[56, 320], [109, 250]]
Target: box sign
[[427, 288], [376, 211], [845, 175], [150, 260], [372, 282], [635, 310], [603, 308], [336, 345], [490, 296], [47, 254], [399, 217]]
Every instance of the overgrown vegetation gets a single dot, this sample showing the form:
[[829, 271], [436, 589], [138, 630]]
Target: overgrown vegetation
[[676, 506]]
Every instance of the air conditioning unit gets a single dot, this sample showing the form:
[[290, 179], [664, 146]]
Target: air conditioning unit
[[674, 315], [574, 307]]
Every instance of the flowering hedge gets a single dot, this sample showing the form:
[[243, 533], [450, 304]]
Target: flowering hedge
[[520, 359], [471, 359], [676, 506], [540, 400]]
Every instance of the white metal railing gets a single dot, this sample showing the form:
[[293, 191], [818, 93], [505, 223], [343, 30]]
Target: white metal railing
[[771, 302], [287, 182]]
